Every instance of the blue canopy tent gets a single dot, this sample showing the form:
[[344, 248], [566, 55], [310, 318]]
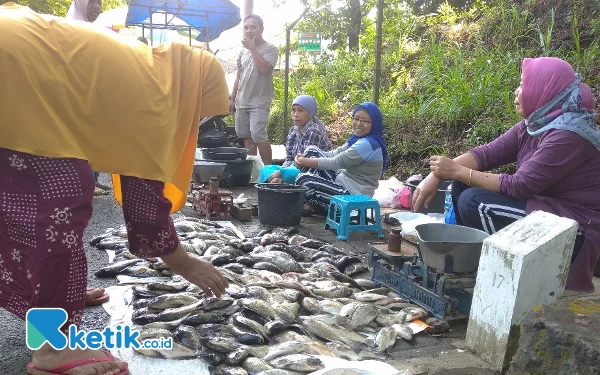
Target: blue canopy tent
[[209, 17]]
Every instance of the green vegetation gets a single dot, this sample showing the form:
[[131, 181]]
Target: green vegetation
[[448, 78]]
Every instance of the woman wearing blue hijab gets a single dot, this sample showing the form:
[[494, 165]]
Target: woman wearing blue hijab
[[352, 169]]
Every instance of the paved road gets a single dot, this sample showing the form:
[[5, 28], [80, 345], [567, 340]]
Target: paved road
[[425, 355]]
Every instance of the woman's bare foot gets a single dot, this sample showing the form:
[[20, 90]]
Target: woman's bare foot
[[47, 358]]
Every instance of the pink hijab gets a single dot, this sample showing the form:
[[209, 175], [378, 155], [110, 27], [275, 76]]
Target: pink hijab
[[545, 77], [554, 97], [78, 10]]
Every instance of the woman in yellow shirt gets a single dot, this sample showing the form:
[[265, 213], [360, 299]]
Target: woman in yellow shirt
[[118, 106]]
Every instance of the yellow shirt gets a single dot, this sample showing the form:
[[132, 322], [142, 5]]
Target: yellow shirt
[[69, 89]]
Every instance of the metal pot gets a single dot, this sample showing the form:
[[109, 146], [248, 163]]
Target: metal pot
[[204, 170], [224, 153]]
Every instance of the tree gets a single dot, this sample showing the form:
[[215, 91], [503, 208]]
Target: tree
[[342, 25], [60, 7]]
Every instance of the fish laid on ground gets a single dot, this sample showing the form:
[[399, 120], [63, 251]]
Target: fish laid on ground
[[250, 324], [278, 371], [357, 315], [298, 362], [329, 306], [165, 325], [412, 313], [403, 331], [285, 348], [214, 303], [366, 296], [229, 370], [334, 292], [311, 305], [222, 344], [204, 317], [188, 336], [385, 339], [173, 286], [172, 300], [177, 313], [178, 351], [261, 307], [114, 269], [355, 269], [255, 365]]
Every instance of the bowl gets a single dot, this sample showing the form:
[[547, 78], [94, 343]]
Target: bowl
[[204, 170], [450, 248]]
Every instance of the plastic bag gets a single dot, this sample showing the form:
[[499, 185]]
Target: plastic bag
[[385, 197]]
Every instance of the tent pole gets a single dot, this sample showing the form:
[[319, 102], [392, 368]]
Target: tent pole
[[379, 28], [190, 31], [151, 34], [207, 38]]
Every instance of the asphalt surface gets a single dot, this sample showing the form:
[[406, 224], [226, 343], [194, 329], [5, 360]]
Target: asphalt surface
[[14, 354]]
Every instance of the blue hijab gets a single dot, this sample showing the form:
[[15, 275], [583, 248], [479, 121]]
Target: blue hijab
[[375, 136]]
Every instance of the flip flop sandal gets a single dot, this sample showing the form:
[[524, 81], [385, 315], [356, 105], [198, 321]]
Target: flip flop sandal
[[97, 301], [61, 370]]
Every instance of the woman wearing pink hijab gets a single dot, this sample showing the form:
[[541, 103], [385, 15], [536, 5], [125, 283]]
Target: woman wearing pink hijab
[[557, 153]]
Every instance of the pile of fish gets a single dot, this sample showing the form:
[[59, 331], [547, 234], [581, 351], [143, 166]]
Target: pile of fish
[[290, 300]]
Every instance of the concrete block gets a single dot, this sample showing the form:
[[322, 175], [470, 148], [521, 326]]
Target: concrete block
[[521, 266]]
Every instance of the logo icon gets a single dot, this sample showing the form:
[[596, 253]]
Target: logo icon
[[43, 325]]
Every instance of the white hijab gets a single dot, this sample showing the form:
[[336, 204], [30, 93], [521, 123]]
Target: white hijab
[[78, 10]]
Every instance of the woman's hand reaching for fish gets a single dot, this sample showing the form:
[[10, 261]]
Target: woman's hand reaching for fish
[[197, 271]]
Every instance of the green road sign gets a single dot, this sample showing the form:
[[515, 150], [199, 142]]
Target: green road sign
[[309, 42]]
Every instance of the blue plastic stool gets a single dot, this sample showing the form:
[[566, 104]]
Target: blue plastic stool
[[340, 211]]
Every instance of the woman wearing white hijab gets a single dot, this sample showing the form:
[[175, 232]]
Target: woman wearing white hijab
[[84, 10]]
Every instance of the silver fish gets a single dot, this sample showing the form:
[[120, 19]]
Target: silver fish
[[331, 306], [114, 269], [385, 339], [214, 303], [437, 325], [172, 300], [165, 325], [292, 295], [173, 286], [255, 365], [412, 313], [298, 362], [278, 371], [403, 331], [296, 240], [355, 269], [236, 356], [360, 316], [366, 283], [285, 348], [367, 296], [334, 292], [261, 307], [251, 324], [188, 337], [177, 313], [222, 344], [229, 370], [311, 305]]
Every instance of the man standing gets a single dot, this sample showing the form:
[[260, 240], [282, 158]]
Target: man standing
[[253, 88]]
